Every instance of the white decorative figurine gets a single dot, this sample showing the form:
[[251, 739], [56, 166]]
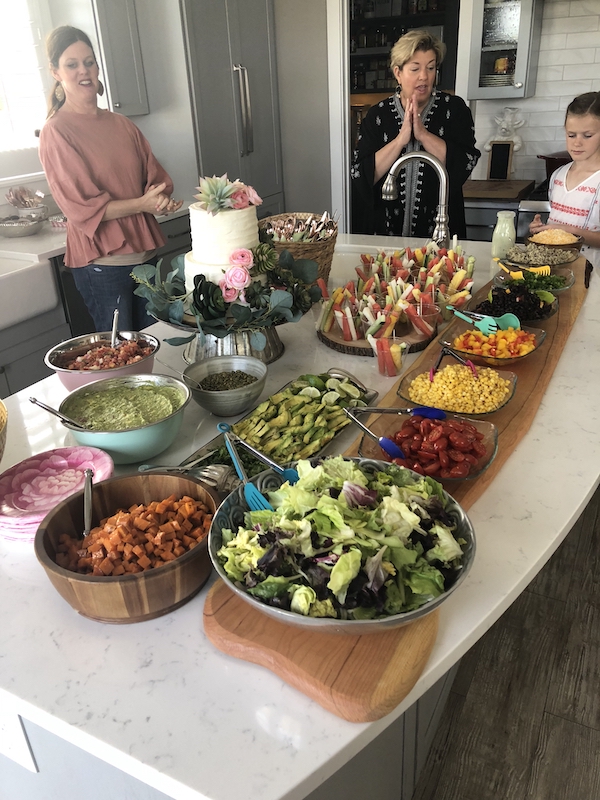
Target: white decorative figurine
[[507, 123]]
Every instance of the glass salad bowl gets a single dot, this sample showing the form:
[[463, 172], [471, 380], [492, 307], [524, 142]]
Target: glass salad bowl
[[451, 397], [249, 563], [389, 422], [541, 282], [460, 327]]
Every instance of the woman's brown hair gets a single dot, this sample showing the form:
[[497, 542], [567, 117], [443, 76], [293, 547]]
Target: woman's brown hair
[[588, 103], [57, 42]]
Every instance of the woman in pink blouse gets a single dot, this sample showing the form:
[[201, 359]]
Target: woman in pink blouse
[[105, 179]]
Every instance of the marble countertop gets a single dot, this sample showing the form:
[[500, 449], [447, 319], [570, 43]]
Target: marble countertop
[[158, 701]]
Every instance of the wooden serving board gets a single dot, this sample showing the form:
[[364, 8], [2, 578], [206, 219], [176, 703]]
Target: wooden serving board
[[533, 376], [358, 678], [362, 678]]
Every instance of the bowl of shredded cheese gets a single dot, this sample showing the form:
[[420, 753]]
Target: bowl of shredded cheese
[[557, 237]]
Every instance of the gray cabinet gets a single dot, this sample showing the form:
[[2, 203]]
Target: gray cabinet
[[23, 347], [230, 56], [505, 44], [121, 56]]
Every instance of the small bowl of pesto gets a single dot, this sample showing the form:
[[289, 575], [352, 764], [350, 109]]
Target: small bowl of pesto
[[132, 418], [226, 385]]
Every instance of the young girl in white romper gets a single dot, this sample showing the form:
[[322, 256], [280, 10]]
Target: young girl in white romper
[[574, 189]]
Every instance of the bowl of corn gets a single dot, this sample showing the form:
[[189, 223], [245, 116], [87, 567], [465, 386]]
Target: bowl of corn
[[455, 388]]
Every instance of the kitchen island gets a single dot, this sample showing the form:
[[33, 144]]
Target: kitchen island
[[158, 702]]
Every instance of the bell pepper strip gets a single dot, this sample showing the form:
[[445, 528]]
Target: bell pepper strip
[[323, 287], [385, 361], [418, 322]]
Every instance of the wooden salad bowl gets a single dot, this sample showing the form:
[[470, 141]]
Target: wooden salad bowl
[[130, 597]]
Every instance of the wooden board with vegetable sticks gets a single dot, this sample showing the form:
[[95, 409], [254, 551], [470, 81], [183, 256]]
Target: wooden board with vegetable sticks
[[533, 375]]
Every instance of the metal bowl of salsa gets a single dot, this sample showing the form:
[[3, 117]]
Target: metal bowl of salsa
[[90, 357], [132, 418]]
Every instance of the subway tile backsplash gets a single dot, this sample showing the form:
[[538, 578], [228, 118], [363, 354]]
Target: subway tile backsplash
[[569, 64]]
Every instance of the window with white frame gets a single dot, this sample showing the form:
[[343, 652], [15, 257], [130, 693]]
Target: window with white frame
[[24, 83]]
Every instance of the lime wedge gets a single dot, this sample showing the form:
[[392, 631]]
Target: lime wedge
[[310, 391], [349, 389], [313, 380], [545, 297], [330, 398], [333, 384], [357, 404]]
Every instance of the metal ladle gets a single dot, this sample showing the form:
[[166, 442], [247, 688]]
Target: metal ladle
[[62, 417]]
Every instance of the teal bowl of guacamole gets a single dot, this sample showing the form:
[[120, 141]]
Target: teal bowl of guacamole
[[132, 418]]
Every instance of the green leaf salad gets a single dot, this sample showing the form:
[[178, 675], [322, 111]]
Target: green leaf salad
[[347, 543]]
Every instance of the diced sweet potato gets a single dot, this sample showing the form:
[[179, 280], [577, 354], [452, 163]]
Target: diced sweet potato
[[137, 539]]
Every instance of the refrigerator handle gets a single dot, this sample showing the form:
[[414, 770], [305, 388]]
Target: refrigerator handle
[[249, 125], [243, 108]]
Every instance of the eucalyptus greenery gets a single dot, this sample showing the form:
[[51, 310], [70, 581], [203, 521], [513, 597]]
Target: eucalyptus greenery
[[286, 297]]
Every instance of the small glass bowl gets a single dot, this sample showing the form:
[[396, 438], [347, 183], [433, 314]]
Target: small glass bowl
[[532, 323], [460, 327], [387, 425], [409, 377], [502, 278]]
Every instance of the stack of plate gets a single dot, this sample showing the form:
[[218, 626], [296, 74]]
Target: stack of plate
[[32, 488], [496, 80]]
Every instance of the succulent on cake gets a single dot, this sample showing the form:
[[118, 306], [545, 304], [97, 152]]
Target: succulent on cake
[[220, 194], [239, 301]]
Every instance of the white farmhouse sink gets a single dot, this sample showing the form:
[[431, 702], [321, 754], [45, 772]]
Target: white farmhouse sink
[[27, 288]]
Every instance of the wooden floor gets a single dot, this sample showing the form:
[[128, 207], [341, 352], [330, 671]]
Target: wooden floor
[[523, 718]]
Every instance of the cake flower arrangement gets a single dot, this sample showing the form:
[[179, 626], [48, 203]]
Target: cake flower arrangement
[[221, 289]]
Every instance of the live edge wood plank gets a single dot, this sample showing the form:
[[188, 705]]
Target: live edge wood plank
[[358, 678]]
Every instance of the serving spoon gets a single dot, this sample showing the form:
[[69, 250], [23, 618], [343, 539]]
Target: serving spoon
[[62, 417]]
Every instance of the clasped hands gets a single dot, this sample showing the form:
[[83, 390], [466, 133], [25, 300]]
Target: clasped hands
[[412, 126], [155, 201]]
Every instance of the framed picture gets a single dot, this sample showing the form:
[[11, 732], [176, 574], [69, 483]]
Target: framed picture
[[500, 160]]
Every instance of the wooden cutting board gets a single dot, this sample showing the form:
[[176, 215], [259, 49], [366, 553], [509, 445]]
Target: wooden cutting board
[[358, 678], [362, 678]]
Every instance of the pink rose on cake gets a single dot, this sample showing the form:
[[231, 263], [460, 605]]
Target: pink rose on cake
[[230, 293], [221, 194], [237, 278], [240, 199], [241, 258]]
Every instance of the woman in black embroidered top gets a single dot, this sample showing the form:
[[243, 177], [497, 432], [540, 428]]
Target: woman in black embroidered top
[[416, 117]]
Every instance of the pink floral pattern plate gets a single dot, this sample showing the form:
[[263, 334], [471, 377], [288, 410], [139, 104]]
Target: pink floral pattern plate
[[33, 487]]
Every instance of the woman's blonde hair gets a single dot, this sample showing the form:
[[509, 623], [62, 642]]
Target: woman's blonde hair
[[411, 42], [57, 42]]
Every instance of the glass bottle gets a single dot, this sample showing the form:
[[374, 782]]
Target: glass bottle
[[362, 38], [504, 235]]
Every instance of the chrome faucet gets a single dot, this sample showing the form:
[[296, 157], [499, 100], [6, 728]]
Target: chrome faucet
[[441, 233]]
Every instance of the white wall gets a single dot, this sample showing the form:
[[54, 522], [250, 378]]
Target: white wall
[[569, 64]]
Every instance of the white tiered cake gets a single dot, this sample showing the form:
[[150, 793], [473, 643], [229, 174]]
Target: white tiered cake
[[215, 237]]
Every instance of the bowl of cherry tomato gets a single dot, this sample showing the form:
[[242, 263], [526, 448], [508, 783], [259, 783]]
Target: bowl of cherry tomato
[[497, 349], [453, 448]]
